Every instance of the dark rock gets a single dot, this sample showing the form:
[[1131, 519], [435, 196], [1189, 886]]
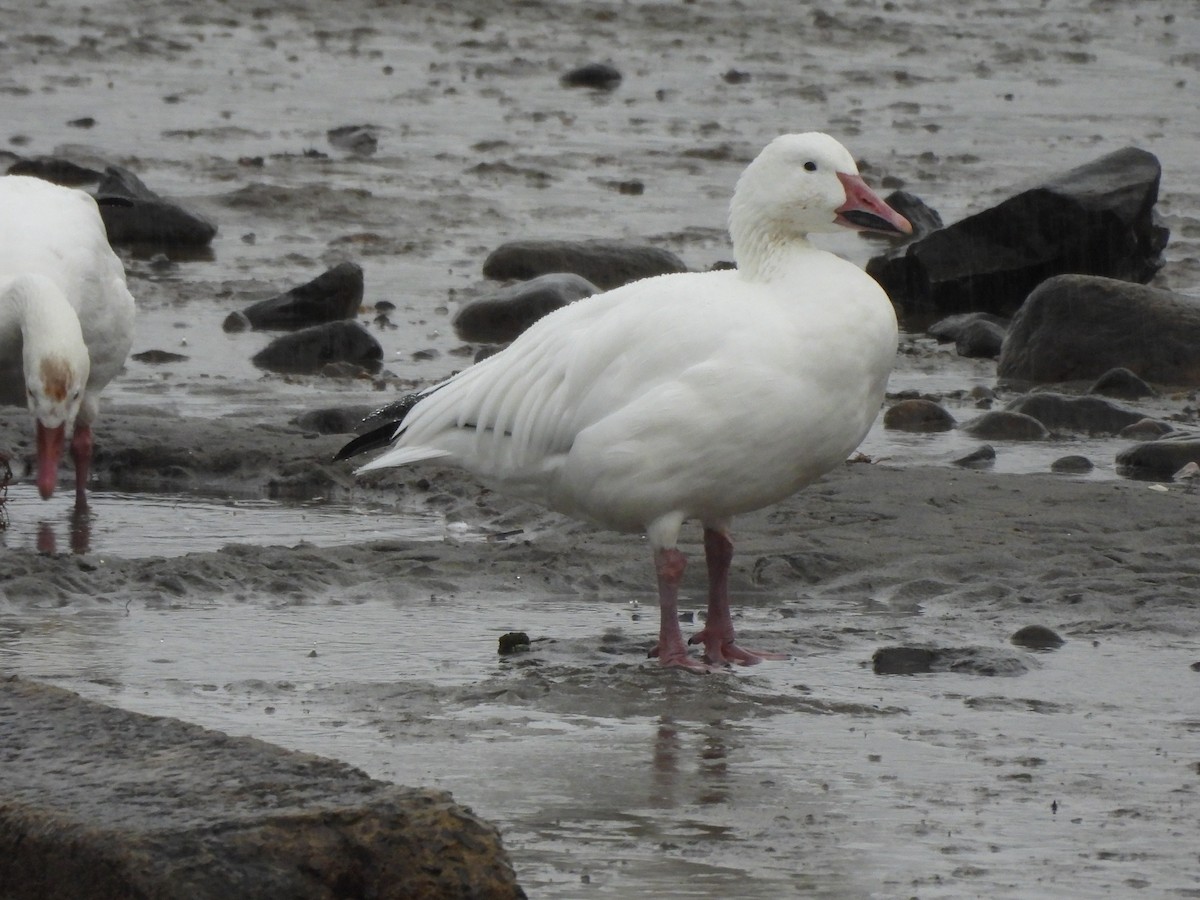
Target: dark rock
[[361, 140], [333, 295], [975, 335], [918, 415], [1077, 327], [158, 357], [134, 214], [500, 317], [1145, 430], [1086, 415], [1122, 384], [1097, 219], [156, 807], [59, 171], [513, 642], [1072, 465], [1037, 637], [599, 76], [960, 660], [923, 218], [344, 369], [308, 350], [1158, 459], [949, 328], [235, 322], [1002, 425], [903, 660], [980, 459], [980, 340], [605, 263]]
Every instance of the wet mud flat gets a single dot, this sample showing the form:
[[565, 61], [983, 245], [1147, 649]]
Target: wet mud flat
[[1005, 772]]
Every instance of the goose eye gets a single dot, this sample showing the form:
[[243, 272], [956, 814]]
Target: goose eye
[[810, 166]]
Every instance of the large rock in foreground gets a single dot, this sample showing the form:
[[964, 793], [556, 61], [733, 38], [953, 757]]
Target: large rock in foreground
[[605, 263], [101, 803], [1097, 219], [1077, 327]]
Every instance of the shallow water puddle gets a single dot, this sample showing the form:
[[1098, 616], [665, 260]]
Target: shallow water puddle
[[134, 525], [612, 778]]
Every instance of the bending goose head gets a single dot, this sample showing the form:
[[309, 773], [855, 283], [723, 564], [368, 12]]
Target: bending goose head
[[56, 366]]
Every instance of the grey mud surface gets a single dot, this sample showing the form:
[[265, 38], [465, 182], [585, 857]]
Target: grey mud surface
[[232, 577]]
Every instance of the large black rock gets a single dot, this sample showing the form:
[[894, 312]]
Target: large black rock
[[605, 263], [1097, 219], [309, 350], [1077, 327], [333, 295]]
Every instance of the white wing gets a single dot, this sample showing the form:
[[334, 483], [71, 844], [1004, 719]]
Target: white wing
[[514, 415]]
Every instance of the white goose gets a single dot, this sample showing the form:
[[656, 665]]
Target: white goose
[[686, 396], [66, 318]]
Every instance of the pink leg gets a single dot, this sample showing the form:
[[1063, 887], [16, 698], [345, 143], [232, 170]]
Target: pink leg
[[81, 453], [671, 650], [720, 646]]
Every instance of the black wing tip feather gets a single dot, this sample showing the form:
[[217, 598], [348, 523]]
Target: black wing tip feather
[[374, 439], [380, 436]]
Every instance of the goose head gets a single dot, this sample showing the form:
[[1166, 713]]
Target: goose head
[[56, 374], [802, 184]]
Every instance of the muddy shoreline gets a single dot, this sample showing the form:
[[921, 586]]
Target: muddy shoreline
[[384, 653], [234, 577]]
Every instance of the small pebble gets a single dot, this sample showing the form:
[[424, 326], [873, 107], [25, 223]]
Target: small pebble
[[1072, 465], [980, 459], [1037, 637]]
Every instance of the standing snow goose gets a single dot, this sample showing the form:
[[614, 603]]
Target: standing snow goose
[[686, 396], [66, 318]]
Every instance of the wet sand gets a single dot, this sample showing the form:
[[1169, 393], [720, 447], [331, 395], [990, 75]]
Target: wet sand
[[1065, 773], [257, 588]]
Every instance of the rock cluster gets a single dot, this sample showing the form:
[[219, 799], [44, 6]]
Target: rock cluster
[[1097, 219]]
